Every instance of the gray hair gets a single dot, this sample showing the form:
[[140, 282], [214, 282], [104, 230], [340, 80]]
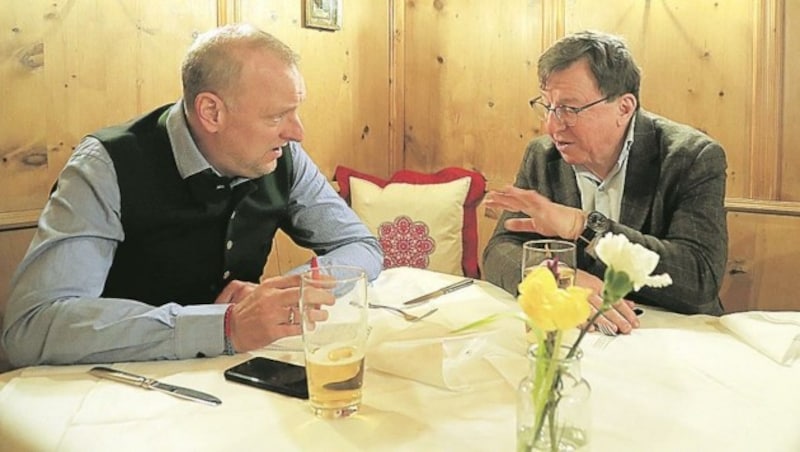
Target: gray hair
[[609, 58], [214, 61]]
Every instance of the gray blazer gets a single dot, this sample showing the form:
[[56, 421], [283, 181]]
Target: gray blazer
[[673, 204]]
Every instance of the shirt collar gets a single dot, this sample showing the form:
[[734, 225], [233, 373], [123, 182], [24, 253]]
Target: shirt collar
[[187, 156]]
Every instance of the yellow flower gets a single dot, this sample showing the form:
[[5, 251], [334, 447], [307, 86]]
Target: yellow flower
[[550, 308]]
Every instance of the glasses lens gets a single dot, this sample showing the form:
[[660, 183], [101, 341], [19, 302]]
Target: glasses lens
[[567, 115], [540, 109]]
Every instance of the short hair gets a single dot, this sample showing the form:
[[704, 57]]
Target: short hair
[[609, 58], [214, 61]]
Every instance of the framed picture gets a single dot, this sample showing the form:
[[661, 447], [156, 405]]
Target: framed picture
[[323, 14]]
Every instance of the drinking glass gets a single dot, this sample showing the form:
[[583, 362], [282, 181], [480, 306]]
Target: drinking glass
[[558, 255], [334, 346]]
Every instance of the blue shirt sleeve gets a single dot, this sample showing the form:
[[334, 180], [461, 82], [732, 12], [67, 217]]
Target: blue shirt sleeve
[[323, 222]]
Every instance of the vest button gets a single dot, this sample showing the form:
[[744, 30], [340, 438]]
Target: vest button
[[233, 215], [229, 245], [226, 275]]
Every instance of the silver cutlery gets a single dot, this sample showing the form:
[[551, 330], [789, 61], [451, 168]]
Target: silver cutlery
[[149, 383], [437, 293], [607, 330], [406, 315]]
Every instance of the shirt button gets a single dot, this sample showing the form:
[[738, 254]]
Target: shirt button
[[226, 275], [229, 245]]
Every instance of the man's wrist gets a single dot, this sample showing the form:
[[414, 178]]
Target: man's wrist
[[596, 226]]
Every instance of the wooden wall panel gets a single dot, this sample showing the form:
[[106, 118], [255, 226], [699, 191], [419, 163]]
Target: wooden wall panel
[[80, 65], [790, 183], [762, 263], [470, 71], [692, 71], [23, 149]]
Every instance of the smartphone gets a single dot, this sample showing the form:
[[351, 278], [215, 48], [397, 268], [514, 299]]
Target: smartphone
[[276, 376]]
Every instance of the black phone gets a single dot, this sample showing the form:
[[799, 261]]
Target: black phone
[[276, 376]]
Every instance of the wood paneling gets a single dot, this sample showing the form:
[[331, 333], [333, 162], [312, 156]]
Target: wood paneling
[[470, 71], [762, 263], [790, 151], [79, 65], [692, 71]]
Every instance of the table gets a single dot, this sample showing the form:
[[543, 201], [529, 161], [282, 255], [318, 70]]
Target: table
[[677, 383]]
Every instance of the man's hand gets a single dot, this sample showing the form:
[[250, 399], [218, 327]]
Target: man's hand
[[547, 218], [263, 313], [621, 318]]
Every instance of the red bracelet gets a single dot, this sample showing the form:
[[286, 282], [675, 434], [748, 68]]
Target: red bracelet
[[227, 331]]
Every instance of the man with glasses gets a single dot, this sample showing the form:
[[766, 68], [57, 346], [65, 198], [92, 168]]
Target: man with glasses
[[606, 165]]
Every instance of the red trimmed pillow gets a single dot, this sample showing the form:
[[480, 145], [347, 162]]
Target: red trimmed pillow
[[422, 220]]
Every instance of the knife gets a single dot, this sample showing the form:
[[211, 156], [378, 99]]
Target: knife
[[437, 293], [149, 383]]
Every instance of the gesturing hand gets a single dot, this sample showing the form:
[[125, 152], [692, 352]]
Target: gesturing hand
[[547, 218]]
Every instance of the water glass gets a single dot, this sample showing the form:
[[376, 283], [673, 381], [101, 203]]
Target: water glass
[[558, 255]]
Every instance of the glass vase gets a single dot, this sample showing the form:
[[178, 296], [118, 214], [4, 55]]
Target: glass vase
[[553, 404]]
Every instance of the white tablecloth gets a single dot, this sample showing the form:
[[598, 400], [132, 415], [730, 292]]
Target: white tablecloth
[[679, 383]]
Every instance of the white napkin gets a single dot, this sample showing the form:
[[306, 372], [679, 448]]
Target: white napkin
[[775, 334], [428, 351]]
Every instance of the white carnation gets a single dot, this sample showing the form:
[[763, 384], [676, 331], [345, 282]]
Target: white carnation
[[617, 252]]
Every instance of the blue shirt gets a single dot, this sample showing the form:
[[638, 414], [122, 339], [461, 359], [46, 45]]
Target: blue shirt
[[55, 314]]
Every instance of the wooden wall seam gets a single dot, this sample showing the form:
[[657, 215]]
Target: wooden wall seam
[[553, 21], [397, 82], [766, 127]]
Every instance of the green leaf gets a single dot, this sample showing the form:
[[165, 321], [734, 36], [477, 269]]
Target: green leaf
[[488, 320]]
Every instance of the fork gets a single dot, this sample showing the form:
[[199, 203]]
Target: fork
[[406, 315], [605, 329]]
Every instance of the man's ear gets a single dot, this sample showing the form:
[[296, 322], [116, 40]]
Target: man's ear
[[626, 107], [210, 111]]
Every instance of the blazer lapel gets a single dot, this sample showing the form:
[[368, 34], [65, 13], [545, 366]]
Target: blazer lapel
[[641, 174], [564, 186]]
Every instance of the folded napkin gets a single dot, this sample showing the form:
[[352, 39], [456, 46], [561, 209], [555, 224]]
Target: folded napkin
[[427, 351], [775, 334]]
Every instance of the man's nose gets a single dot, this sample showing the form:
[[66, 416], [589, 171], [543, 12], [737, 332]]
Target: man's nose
[[293, 129]]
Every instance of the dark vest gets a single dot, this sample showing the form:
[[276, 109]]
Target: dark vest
[[186, 239]]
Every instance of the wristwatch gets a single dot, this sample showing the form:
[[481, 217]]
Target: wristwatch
[[597, 225]]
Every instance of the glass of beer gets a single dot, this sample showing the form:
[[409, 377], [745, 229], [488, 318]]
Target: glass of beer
[[333, 302], [558, 255]]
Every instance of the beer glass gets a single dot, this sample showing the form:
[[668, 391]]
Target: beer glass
[[558, 255], [334, 346]]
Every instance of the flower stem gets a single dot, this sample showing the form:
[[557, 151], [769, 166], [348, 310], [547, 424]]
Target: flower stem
[[574, 347]]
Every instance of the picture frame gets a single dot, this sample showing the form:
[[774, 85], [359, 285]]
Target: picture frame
[[322, 14]]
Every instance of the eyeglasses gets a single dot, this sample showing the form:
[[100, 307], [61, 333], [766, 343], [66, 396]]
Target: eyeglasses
[[565, 114]]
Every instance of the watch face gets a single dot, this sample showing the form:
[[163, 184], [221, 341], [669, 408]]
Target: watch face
[[597, 222]]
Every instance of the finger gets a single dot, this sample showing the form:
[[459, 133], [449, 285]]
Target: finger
[[281, 282], [611, 318], [313, 296], [520, 225], [316, 315], [624, 309], [621, 322], [235, 291], [609, 325]]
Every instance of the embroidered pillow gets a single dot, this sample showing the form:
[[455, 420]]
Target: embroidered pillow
[[421, 220]]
